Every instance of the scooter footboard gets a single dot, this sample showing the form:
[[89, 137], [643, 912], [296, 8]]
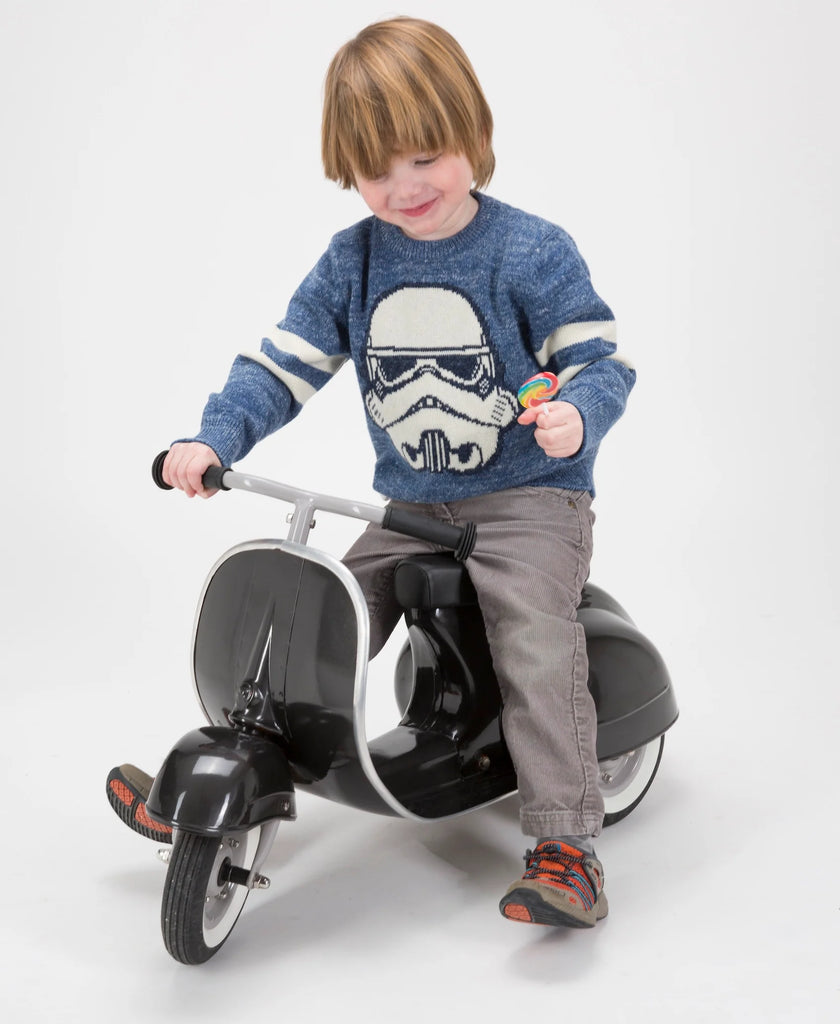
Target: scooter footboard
[[217, 780]]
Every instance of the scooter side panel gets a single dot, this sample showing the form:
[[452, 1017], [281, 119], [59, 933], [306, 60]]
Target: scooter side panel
[[629, 682], [283, 629]]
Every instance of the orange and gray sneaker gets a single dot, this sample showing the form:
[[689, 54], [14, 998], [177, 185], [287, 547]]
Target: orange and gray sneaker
[[562, 885], [128, 789]]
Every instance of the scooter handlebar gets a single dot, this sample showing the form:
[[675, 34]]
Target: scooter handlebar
[[459, 539]]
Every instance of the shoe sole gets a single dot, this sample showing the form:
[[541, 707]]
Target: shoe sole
[[528, 907], [127, 790]]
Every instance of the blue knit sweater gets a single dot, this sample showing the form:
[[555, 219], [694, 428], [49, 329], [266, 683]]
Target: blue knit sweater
[[441, 335]]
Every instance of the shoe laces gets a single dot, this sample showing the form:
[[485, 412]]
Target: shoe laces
[[562, 866]]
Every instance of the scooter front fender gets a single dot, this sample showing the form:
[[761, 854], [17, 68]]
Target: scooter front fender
[[217, 780]]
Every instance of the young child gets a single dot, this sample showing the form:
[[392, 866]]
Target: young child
[[446, 300]]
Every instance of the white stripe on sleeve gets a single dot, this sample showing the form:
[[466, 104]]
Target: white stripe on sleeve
[[575, 334], [304, 351], [572, 371]]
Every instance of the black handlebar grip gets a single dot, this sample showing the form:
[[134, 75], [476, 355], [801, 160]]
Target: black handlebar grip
[[212, 478], [157, 471], [459, 539]]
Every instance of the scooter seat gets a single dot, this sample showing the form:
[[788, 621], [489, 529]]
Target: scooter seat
[[432, 581]]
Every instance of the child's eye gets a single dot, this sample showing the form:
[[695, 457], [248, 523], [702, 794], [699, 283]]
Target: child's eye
[[426, 161]]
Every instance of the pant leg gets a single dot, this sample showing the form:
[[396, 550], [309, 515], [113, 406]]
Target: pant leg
[[372, 559], [530, 562]]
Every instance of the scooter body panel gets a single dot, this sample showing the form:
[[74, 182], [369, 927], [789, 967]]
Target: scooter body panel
[[216, 781]]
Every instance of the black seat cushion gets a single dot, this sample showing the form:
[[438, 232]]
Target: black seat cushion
[[432, 581]]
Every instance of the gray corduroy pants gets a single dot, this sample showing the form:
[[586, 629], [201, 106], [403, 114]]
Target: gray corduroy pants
[[530, 561]]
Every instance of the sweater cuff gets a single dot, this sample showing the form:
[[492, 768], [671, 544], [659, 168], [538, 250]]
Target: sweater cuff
[[597, 415], [225, 441]]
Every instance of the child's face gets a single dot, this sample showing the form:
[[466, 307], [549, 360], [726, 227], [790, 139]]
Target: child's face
[[426, 195]]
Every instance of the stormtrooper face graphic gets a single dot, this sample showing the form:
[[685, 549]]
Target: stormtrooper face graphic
[[435, 380]]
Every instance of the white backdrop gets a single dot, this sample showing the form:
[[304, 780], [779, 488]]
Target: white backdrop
[[161, 197]]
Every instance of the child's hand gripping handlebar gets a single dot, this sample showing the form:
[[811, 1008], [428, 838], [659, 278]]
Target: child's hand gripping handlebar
[[458, 539], [212, 478]]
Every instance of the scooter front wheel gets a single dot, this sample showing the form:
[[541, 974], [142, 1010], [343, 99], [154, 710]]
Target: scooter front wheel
[[201, 900], [625, 779]]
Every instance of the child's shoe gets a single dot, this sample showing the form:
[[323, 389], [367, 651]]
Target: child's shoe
[[561, 886], [128, 790]]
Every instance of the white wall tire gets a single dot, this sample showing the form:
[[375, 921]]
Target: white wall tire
[[625, 779], [200, 905]]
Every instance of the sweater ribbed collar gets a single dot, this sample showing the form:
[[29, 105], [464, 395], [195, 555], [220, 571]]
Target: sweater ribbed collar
[[415, 249]]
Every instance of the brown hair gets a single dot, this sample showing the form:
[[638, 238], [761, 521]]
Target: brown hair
[[402, 86]]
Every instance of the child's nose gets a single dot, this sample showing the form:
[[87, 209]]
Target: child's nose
[[409, 182]]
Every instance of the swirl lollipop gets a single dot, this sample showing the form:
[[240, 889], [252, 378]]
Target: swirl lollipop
[[538, 389]]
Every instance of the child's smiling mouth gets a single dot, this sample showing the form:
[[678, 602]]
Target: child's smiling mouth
[[418, 211]]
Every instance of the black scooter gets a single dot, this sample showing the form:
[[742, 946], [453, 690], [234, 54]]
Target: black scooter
[[280, 661]]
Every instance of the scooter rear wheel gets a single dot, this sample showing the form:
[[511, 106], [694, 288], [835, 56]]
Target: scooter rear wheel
[[625, 779], [200, 902]]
